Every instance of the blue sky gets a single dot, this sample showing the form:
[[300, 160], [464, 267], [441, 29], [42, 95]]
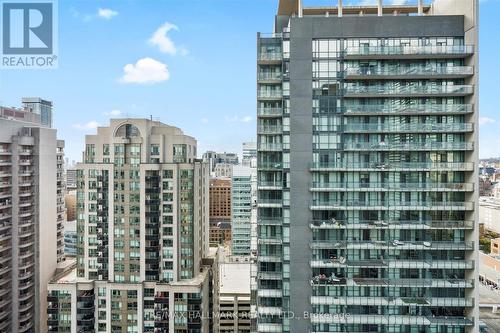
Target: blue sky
[[200, 78]]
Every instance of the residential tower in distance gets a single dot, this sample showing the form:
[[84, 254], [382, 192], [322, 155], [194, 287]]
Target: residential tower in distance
[[31, 218], [143, 263]]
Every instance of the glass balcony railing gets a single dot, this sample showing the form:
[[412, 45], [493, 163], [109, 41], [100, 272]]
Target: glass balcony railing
[[270, 183], [269, 76], [456, 127], [450, 321], [397, 186], [270, 221], [277, 94], [412, 108], [395, 263], [409, 146], [270, 146], [269, 129], [400, 245], [270, 56], [425, 50], [403, 166], [387, 224], [278, 112], [353, 91], [273, 165], [410, 71], [263, 201], [327, 204], [269, 328]]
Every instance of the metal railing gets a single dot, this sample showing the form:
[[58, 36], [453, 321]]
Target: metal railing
[[410, 50]]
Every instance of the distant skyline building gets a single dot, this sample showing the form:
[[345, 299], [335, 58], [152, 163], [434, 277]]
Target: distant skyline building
[[31, 219], [249, 150], [71, 178], [367, 168], [42, 107], [243, 209], [220, 210], [213, 158], [143, 261], [223, 170]]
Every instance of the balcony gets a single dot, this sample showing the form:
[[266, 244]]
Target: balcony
[[274, 293], [269, 77], [270, 221], [269, 129], [407, 128], [269, 94], [270, 185], [420, 109], [405, 72], [270, 203], [390, 186], [363, 91], [270, 240], [270, 276], [264, 146], [424, 146], [269, 58], [269, 328], [415, 283], [404, 245], [269, 310], [391, 205], [382, 224], [272, 165], [394, 263], [409, 52], [393, 166], [270, 258], [386, 320], [269, 112]]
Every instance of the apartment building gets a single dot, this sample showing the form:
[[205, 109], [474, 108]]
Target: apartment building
[[143, 263], [243, 209], [367, 168], [31, 217], [220, 210], [234, 300]]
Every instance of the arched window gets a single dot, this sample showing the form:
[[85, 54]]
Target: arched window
[[127, 130]]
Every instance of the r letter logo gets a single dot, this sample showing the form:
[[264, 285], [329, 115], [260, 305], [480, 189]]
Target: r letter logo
[[28, 34]]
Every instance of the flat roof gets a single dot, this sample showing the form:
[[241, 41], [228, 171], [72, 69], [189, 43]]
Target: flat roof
[[234, 278]]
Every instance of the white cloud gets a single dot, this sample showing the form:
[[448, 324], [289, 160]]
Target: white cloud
[[106, 13], [398, 2], [236, 119], [145, 71], [113, 113], [91, 125], [486, 120], [166, 45], [368, 2]]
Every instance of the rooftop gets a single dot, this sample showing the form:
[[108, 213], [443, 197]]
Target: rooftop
[[296, 8], [234, 278]]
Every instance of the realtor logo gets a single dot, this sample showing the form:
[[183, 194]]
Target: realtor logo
[[28, 34]]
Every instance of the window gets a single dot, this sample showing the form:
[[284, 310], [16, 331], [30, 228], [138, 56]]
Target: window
[[127, 130]]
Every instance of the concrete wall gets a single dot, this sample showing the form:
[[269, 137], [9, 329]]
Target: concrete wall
[[46, 239]]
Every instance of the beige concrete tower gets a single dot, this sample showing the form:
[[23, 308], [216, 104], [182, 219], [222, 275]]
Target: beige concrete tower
[[143, 262]]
